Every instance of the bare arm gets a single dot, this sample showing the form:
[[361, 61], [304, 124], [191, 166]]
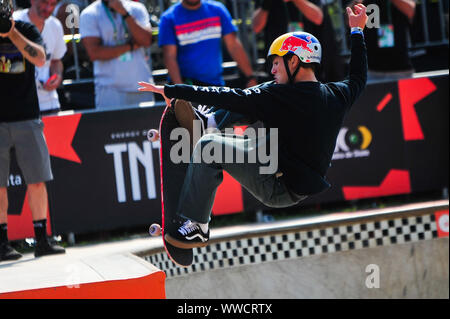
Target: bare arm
[[141, 35], [237, 52], [407, 7], [259, 20], [312, 12], [33, 52], [171, 63], [97, 51]]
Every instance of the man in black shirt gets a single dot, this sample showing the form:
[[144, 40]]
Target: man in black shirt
[[21, 49], [304, 115]]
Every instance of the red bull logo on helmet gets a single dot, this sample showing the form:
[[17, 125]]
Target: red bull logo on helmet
[[304, 45], [296, 41]]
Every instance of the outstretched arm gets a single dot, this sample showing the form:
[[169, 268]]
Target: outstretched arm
[[250, 102], [149, 87], [352, 87]]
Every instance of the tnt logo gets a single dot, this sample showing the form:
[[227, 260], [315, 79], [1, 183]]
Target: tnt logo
[[442, 222]]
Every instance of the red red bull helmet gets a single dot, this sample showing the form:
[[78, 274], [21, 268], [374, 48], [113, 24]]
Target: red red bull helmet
[[302, 44]]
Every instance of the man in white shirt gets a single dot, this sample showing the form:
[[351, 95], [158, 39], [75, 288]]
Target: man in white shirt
[[49, 76], [116, 35]]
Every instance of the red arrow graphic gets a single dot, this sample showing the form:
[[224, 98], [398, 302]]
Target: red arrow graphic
[[412, 91], [59, 132], [396, 182]]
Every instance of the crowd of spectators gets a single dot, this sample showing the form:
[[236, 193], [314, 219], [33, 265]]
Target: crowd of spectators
[[117, 38]]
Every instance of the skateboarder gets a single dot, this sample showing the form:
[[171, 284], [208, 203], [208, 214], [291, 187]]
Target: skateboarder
[[307, 114]]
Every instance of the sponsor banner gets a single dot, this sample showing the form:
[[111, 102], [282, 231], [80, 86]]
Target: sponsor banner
[[393, 141], [107, 175], [441, 218]]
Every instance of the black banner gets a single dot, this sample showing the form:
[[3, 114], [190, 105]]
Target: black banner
[[394, 141]]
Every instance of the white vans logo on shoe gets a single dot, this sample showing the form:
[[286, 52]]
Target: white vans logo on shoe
[[191, 230], [197, 235]]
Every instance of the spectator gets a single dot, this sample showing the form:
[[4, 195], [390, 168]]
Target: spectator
[[276, 17], [194, 55], [320, 17], [115, 33], [50, 76], [388, 44], [270, 16], [190, 34], [21, 48]]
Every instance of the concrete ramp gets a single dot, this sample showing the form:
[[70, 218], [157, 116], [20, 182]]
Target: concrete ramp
[[397, 252], [414, 270]]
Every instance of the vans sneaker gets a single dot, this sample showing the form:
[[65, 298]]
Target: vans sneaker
[[187, 236]]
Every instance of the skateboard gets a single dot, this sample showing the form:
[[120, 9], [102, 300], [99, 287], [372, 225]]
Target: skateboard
[[172, 177]]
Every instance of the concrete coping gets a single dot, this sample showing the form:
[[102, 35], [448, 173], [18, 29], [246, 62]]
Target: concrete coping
[[316, 222]]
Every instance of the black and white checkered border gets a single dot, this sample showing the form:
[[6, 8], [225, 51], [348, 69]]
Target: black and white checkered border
[[302, 243]]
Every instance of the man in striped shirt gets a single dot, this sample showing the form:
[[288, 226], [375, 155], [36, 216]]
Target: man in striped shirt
[[191, 33]]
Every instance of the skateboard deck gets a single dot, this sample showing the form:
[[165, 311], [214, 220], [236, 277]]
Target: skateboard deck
[[172, 178]]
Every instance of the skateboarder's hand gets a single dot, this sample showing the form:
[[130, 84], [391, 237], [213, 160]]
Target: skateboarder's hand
[[204, 109], [148, 87], [357, 17]]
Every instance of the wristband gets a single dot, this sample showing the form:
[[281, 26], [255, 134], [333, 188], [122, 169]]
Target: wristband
[[355, 30]]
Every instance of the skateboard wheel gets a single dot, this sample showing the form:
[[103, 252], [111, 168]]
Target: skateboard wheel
[[154, 230], [153, 135]]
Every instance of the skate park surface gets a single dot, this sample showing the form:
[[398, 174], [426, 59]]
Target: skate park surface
[[395, 252]]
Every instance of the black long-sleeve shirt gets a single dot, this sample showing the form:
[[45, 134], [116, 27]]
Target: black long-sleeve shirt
[[308, 116]]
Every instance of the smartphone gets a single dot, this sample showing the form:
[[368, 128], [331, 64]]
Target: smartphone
[[54, 76]]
